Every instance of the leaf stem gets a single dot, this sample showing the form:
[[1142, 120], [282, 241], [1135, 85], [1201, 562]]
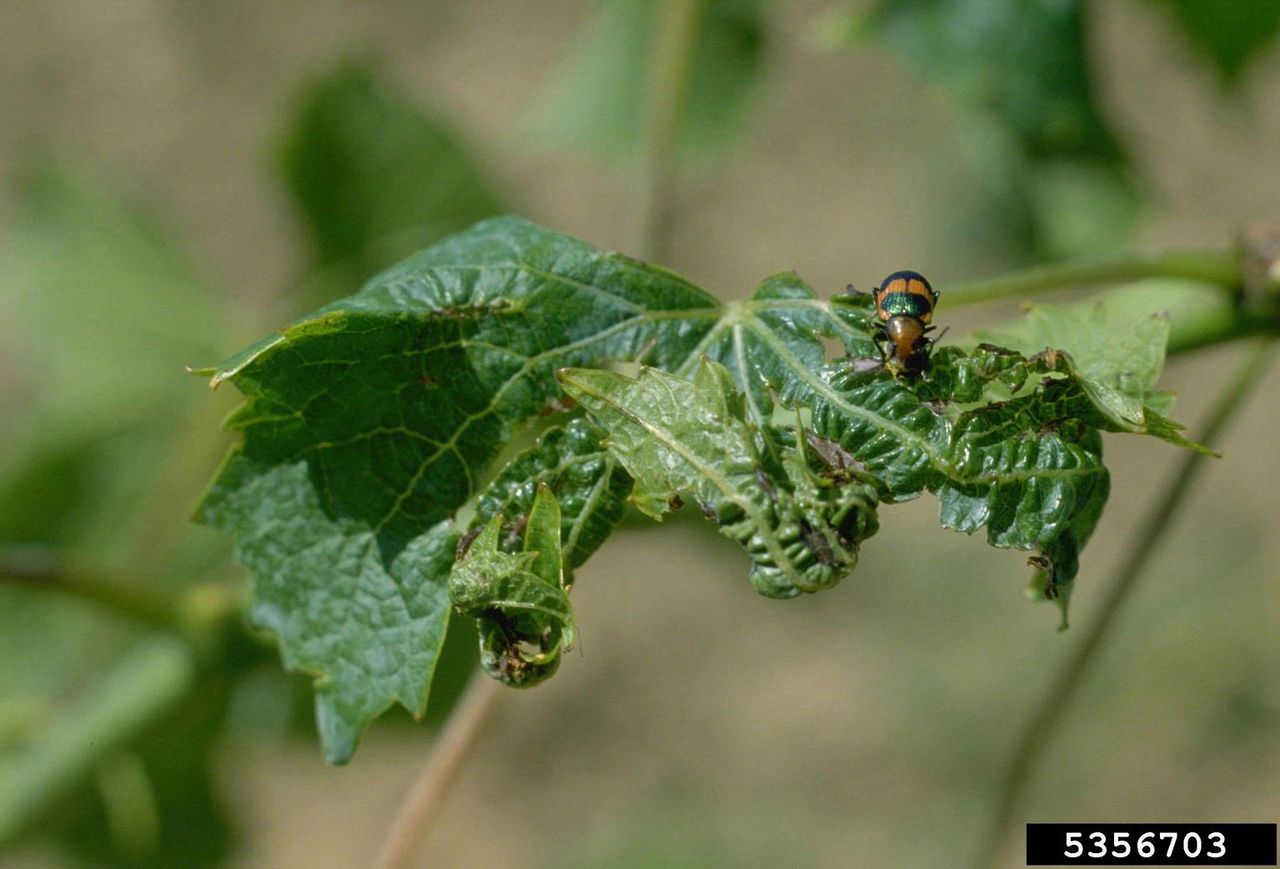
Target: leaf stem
[[671, 66], [1220, 268], [1233, 317], [1216, 325], [39, 569], [1038, 733], [425, 798]]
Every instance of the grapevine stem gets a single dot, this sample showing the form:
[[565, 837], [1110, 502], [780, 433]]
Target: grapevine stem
[[427, 796], [670, 71], [1038, 733], [1220, 268]]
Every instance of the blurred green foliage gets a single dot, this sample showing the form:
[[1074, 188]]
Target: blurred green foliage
[[107, 314], [1058, 182], [1229, 34], [599, 98], [374, 178]]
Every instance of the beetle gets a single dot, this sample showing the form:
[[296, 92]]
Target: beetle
[[904, 303]]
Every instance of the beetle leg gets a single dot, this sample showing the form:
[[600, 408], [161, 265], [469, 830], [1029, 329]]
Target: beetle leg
[[881, 340], [880, 337]]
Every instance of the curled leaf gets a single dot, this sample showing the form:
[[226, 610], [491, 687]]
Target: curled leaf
[[519, 599], [801, 530], [589, 484]]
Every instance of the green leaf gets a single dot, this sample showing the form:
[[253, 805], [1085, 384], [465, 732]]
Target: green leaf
[[1230, 35], [1122, 343], [373, 426], [1054, 174], [1028, 468], [801, 532], [519, 600], [588, 483], [599, 98], [369, 424], [374, 177], [774, 339], [369, 625], [1032, 477], [1116, 346]]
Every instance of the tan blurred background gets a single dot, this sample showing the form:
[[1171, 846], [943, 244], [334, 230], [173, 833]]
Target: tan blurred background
[[702, 724]]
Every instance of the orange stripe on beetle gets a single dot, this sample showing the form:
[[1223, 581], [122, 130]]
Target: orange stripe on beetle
[[904, 304], [905, 293]]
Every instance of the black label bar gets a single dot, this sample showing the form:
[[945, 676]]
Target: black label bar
[[1151, 844]]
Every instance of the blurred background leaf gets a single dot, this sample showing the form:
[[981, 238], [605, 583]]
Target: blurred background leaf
[[105, 315], [156, 802], [373, 178], [101, 717], [1229, 34], [1057, 182], [598, 100]]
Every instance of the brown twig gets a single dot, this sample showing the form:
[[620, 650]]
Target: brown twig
[[427, 796]]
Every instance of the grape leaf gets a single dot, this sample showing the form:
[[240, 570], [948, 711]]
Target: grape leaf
[[769, 341], [587, 481], [369, 425], [801, 532], [370, 627], [1121, 348], [1029, 468], [520, 601]]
